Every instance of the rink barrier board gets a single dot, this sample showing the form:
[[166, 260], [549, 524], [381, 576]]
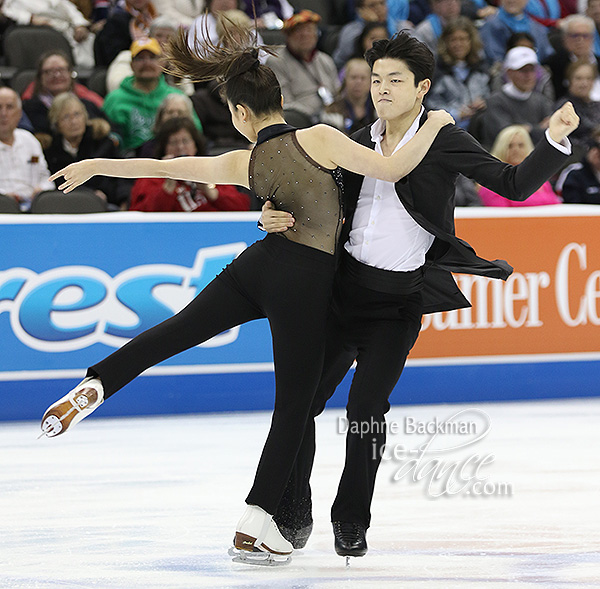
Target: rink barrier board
[[213, 393], [74, 288]]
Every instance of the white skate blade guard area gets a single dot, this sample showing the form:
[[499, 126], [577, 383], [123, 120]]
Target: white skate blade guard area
[[152, 503]]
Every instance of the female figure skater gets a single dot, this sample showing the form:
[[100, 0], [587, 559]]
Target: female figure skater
[[284, 277]]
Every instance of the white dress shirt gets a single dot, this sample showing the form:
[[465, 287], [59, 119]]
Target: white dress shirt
[[23, 168], [383, 234]]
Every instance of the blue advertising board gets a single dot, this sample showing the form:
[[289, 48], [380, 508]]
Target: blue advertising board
[[74, 288]]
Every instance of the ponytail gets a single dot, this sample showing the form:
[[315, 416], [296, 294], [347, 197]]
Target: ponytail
[[234, 62]]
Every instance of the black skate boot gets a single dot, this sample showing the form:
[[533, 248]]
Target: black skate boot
[[350, 539]]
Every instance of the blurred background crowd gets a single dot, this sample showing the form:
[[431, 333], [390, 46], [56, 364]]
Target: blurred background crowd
[[84, 78]]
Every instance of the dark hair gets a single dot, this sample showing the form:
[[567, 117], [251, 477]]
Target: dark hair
[[37, 85], [516, 38], [416, 55], [234, 62], [172, 126], [358, 44]]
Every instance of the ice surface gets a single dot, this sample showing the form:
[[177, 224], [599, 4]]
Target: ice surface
[[153, 503]]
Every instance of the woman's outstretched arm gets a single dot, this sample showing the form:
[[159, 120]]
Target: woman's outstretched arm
[[331, 144], [229, 168]]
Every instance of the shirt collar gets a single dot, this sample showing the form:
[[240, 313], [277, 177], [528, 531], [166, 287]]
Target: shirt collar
[[511, 90], [378, 130]]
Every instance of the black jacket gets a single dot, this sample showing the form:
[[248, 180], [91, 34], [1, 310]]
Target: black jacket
[[580, 184], [427, 193], [113, 38]]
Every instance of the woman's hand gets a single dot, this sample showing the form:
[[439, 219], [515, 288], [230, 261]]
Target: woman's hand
[[75, 175], [440, 118]]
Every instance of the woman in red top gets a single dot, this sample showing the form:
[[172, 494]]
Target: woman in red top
[[179, 137]]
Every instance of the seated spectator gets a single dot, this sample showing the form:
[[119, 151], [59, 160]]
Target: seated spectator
[[577, 43], [176, 138], [580, 77], [75, 138], [461, 82], [372, 31], [353, 108], [308, 77], [61, 15], [172, 107], [430, 29], [512, 146], [23, 169], [161, 29], [511, 18], [517, 103], [579, 183], [130, 20], [366, 11], [183, 12], [544, 83], [132, 107], [55, 76]]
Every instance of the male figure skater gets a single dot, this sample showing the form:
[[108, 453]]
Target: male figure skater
[[398, 249]]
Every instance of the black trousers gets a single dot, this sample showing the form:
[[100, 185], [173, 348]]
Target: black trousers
[[378, 330], [286, 282]]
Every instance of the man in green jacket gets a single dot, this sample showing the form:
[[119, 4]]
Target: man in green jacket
[[131, 108]]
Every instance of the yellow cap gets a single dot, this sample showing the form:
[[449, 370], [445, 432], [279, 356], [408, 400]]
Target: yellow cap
[[145, 44]]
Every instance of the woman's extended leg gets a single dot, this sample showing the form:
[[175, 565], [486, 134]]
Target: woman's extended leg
[[217, 308]]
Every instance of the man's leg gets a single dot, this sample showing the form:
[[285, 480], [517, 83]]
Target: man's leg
[[385, 333]]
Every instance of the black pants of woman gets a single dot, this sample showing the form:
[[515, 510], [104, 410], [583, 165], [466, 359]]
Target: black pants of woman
[[378, 330], [290, 285]]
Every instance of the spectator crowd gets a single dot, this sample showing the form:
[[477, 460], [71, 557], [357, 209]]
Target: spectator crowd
[[503, 66]]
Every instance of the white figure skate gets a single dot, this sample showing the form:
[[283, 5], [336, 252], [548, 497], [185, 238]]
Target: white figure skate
[[73, 407], [258, 541]]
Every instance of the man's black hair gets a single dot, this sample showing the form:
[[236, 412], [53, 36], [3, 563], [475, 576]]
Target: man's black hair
[[416, 55]]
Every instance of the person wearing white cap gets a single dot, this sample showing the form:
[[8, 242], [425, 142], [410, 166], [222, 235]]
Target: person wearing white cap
[[517, 102]]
